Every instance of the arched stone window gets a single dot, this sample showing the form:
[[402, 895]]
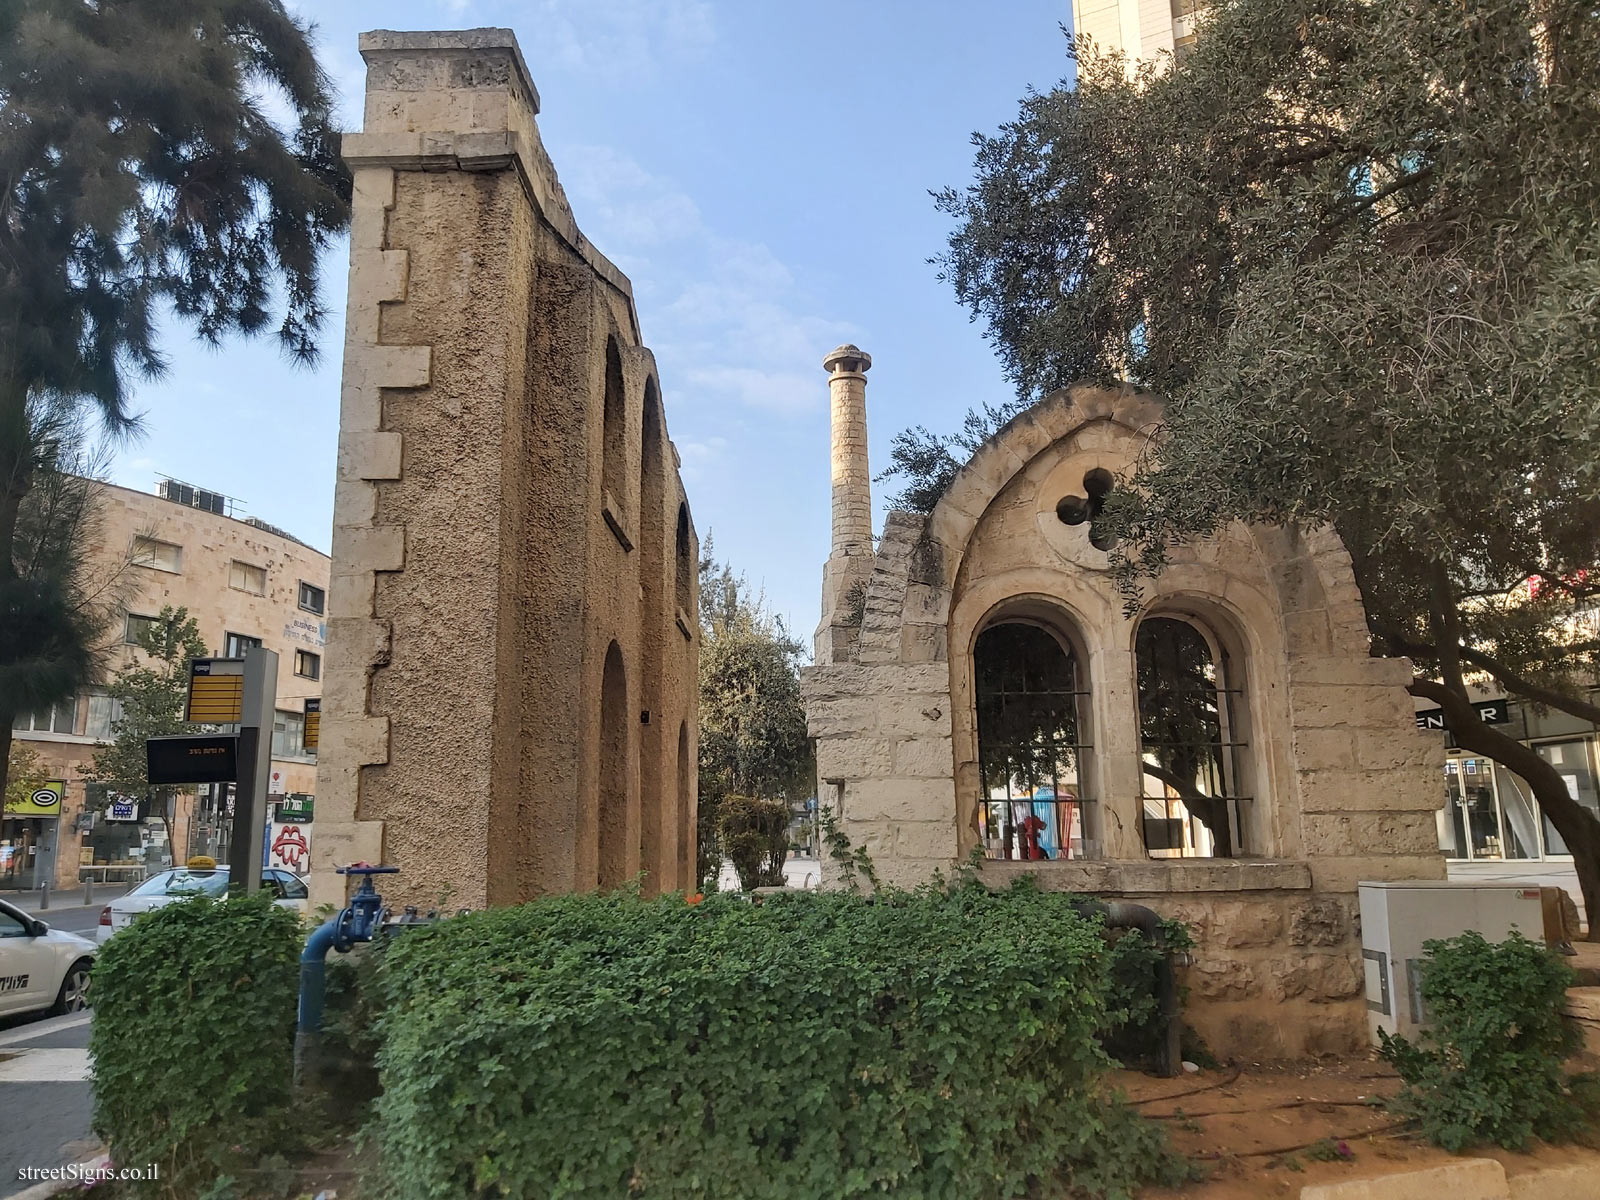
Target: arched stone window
[[615, 435], [1032, 692], [686, 848], [612, 825], [685, 565], [1193, 741]]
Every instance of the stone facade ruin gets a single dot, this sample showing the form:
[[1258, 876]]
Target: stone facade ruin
[[1230, 756], [509, 703]]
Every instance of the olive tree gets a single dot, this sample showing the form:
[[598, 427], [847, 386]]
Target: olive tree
[[1356, 248]]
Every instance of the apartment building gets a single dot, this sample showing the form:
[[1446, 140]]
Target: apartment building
[[1141, 29], [246, 584]]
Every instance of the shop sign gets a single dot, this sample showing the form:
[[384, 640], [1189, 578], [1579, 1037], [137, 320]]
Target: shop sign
[[289, 846], [1490, 712], [123, 808], [42, 801], [295, 809]]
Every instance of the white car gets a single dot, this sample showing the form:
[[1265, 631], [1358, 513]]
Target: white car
[[182, 882], [41, 968]]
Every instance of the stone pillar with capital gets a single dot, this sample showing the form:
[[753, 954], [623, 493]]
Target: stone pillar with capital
[[849, 565]]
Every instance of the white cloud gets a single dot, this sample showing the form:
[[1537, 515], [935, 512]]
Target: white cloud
[[623, 39], [725, 316]]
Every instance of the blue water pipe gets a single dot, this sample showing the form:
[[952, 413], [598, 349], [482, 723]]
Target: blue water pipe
[[356, 922]]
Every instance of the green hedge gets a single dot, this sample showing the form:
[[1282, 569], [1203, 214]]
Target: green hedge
[[929, 1044], [193, 1040]]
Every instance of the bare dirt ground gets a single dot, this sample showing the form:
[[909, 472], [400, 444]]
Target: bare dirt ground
[[1263, 1131]]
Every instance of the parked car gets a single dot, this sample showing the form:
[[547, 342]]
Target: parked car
[[41, 968], [182, 882]]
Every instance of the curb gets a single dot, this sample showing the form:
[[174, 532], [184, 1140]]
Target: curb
[[1467, 1179], [37, 1029], [1580, 1181]]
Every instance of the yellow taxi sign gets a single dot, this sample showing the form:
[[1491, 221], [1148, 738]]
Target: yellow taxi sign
[[216, 691], [313, 729]]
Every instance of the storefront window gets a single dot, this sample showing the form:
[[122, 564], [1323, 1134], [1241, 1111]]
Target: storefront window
[[1518, 815], [1571, 759]]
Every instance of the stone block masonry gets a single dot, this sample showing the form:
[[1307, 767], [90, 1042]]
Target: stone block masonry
[[1330, 779], [511, 668]]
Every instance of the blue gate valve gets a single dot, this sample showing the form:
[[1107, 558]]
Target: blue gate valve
[[358, 921]]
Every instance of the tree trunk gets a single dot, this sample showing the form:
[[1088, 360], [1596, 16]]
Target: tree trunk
[[6, 719], [1577, 826]]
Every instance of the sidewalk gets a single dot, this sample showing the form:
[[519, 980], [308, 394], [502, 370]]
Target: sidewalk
[[71, 897]]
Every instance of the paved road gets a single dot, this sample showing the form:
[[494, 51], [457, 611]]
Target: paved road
[[67, 911], [44, 1094]]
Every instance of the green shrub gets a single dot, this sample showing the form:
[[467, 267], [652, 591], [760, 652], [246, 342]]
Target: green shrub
[[755, 836], [930, 1044], [1489, 1069], [193, 1041]]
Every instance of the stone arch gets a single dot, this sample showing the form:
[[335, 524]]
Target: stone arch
[[612, 805], [687, 866], [1014, 449], [614, 432]]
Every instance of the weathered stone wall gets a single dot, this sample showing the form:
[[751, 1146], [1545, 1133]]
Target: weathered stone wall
[[1341, 785], [491, 542]]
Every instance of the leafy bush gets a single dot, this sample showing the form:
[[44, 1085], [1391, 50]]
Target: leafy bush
[[931, 1044], [755, 835], [1489, 1069], [193, 1041], [1133, 1031]]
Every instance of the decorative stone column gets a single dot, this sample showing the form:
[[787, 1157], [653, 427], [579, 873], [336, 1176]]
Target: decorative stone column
[[849, 565]]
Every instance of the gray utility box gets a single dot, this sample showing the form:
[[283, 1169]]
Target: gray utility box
[[1397, 917]]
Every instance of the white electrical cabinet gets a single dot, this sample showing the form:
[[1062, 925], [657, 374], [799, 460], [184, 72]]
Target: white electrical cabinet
[[1397, 917]]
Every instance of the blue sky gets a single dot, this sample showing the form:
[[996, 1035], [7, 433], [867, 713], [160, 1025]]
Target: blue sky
[[761, 172]]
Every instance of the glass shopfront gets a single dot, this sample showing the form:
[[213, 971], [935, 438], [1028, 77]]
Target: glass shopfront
[[1490, 814]]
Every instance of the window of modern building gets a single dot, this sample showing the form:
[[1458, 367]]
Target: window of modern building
[[288, 734], [1574, 760], [246, 577], [235, 644], [104, 713], [159, 555], [136, 626], [307, 665], [312, 598], [1032, 699], [58, 718], [1190, 742]]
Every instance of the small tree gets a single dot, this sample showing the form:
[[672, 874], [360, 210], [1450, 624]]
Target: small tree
[[755, 837], [753, 740], [26, 775], [152, 694]]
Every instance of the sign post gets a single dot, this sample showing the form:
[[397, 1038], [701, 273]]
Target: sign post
[[258, 704]]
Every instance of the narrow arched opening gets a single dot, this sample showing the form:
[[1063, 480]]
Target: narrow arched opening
[[614, 437], [612, 825], [683, 565]]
